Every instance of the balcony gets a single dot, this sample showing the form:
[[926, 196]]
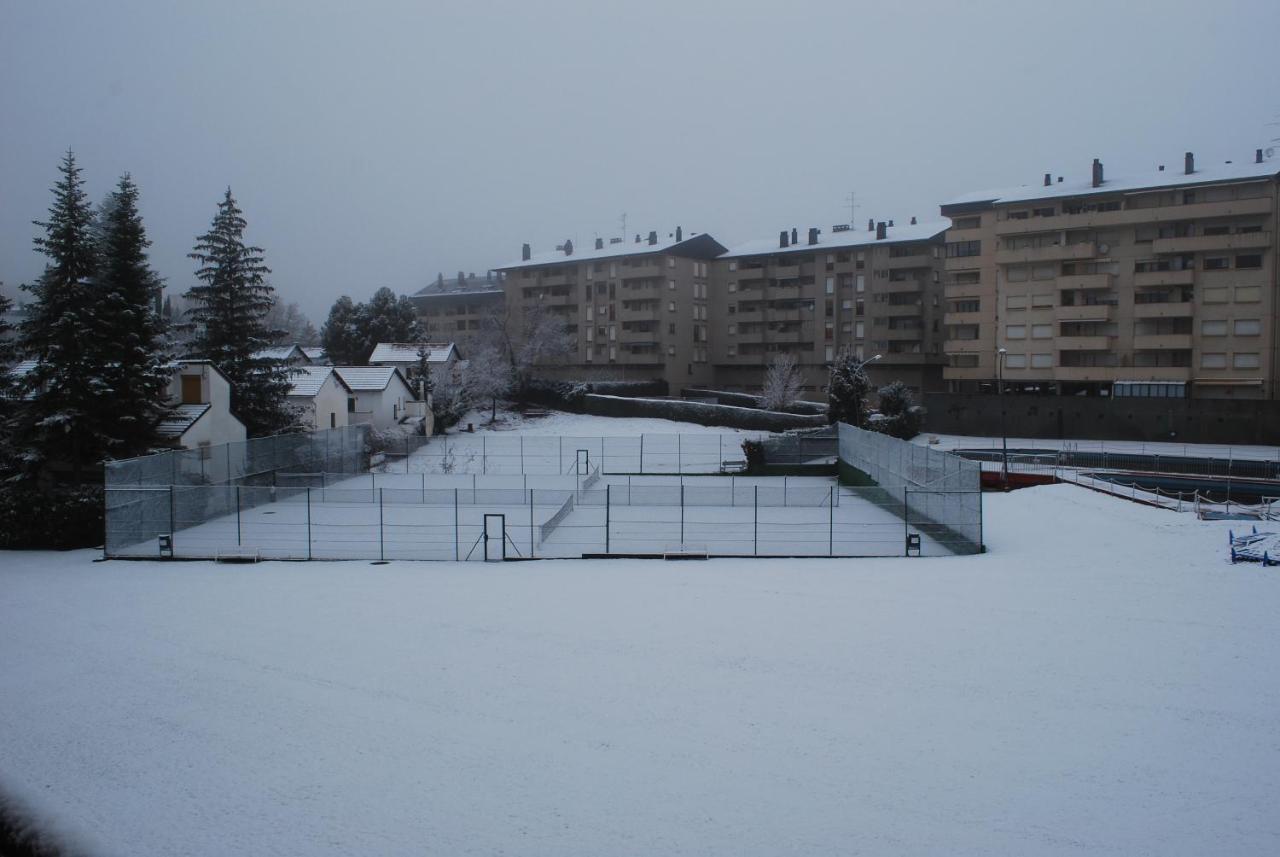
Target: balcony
[[786, 272], [923, 260], [1164, 342], [1155, 279], [1184, 309], [639, 272], [901, 334], [962, 290], [1084, 282], [557, 280], [1054, 253], [1084, 312], [898, 310], [1083, 343], [640, 314], [1161, 214], [1092, 373], [900, 287], [1203, 243], [968, 346], [963, 318]]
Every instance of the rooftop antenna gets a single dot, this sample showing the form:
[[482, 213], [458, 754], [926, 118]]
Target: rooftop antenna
[[853, 208], [624, 227]]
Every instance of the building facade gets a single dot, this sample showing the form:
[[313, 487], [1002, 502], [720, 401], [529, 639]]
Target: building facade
[[876, 293], [1163, 285], [457, 309]]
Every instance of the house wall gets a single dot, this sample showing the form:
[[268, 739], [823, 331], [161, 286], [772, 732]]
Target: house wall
[[331, 401], [217, 425], [386, 407]]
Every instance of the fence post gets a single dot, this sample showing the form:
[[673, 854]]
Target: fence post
[[522, 453], [530, 508], [382, 548], [424, 488], [642, 453], [831, 521], [238, 542], [607, 492], [755, 521], [173, 527], [308, 522], [456, 553], [680, 466], [681, 509], [906, 519], [484, 454]]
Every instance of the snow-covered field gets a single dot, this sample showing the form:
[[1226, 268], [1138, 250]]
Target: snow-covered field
[[1101, 682], [1138, 447], [586, 425]]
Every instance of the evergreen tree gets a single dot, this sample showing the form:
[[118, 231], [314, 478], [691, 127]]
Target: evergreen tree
[[67, 392], [7, 355], [387, 318], [127, 289], [847, 391], [229, 311], [341, 336], [899, 414]]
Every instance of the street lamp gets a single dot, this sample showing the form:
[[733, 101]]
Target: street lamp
[[868, 360], [1004, 436]]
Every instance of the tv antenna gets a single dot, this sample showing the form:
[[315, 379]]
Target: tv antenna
[[852, 199], [624, 227]]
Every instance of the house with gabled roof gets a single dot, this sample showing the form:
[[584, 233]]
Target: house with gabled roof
[[404, 355], [321, 396], [381, 395], [202, 416]]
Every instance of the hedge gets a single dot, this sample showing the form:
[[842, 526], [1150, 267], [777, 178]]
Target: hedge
[[701, 413], [747, 400]]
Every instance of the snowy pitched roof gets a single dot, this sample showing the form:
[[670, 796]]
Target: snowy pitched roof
[[178, 365], [699, 244], [314, 354], [370, 379], [469, 286], [280, 352], [838, 240], [1151, 180], [407, 352], [23, 368], [306, 381], [181, 419]]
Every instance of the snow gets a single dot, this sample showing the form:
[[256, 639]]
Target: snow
[[182, 418], [1106, 684], [307, 381], [586, 425], [368, 378], [407, 352], [1209, 450], [853, 237]]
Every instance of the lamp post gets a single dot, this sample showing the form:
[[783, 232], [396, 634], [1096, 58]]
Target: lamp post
[[1004, 436]]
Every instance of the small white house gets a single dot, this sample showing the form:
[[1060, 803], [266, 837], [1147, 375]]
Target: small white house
[[404, 355], [321, 395], [382, 396], [202, 417]]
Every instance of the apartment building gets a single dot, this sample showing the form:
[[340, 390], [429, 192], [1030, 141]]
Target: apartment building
[[1156, 285], [456, 308], [814, 295], [635, 309]]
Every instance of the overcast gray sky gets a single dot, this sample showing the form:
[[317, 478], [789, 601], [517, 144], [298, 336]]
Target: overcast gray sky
[[377, 143]]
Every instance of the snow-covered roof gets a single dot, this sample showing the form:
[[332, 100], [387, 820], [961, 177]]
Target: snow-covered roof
[[306, 381], [1170, 177], [369, 379], [407, 352], [181, 419], [197, 361], [280, 352], [469, 286], [23, 368], [848, 238], [588, 252], [314, 352]]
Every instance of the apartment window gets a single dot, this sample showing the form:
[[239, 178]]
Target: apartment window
[[733, 329], [1213, 328], [671, 328], [1017, 275], [1042, 300], [1042, 212], [613, 332], [1217, 263], [613, 270], [1248, 294], [1245, 361], [1042, 331], [733, 264], [860, 307], [859, 330], [1248, 327], [829, 353], [1216, 296], [1252, 260], [671, 306], [966, 223], [830, 285], [846, 304], [671, 261], [1015, 302], [671, 285], [1188, 197], [1041, 361], [613, 352], [733, 351], [1015, 361], [1043, 272], [1015, 331], [962, 249], [1213, 361], [861, 283], [671, 351], [733, 287]]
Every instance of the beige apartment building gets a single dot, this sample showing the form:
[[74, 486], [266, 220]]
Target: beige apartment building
[[456, 309], [636, 310], [1158, 285], [814, 295]]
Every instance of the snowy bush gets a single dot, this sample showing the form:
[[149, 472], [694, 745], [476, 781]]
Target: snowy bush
[[899, 416]]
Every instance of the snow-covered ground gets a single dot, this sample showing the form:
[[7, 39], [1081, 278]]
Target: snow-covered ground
[[1101, 682], [586, 425], [1208, 450]]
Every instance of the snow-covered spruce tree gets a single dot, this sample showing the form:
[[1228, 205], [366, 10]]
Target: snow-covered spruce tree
[[387, 318], [62, 421], [782, 382], [8, 353], [340, 334], [847, 391], [900, 415], [229, 310], [127, 292]]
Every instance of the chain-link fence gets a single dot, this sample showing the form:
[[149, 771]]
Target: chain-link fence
[[939, 494]]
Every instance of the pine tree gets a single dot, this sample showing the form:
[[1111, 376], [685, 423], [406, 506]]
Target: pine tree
[[7, 355], [66, 388], [341, 336], [387, 318], [127, 289], [229, 311], [847, 391]]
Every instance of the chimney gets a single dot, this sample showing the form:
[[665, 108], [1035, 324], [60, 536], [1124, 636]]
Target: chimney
[[637, 237], [1097, 173], [913, 220], [524, 252], [1059, 179], [1257, 156], [653, 237], [871, 224], [679, 234], [880, 231], [599, 243], [568, 247], [813, 235], [1048, 179], [1162, 168], [782, 239], [1189, 163], [795, 236], [890, 222]]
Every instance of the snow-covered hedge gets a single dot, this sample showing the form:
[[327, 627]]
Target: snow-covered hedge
[[568, 394], [747, 400], [729, 416]]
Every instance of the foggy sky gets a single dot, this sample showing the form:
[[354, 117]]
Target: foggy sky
[[379, 143]]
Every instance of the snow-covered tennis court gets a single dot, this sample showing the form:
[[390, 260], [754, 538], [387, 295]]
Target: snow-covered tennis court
[[1102, 681]]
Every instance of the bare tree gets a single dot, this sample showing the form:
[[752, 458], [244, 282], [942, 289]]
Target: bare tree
[[782, 383], [488, 376], [526, 340]]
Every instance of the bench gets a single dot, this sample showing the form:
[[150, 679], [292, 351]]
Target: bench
[[236, 555], [534, 413], [733, 465], [685, 552]]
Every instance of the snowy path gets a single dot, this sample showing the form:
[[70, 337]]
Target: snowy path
[[1102, 682]]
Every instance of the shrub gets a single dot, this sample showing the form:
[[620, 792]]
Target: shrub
[[59, 517], [753, 452]]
